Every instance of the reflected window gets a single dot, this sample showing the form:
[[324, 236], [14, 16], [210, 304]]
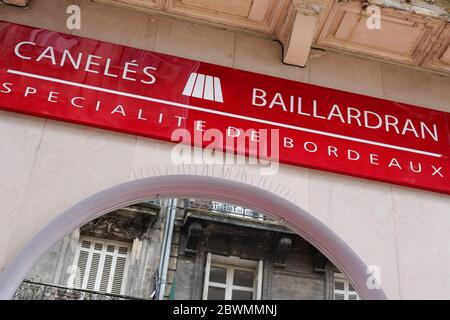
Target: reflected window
[[343, 289], [231, 278]]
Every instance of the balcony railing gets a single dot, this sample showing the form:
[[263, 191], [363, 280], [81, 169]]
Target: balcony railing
[[230, 209], [221, 207], [155, 202], [39, 291]]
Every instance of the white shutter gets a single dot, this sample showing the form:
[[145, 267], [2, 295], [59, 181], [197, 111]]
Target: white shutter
[[106, 273], [83, 257], [119, 270], [102, 265], [93, 271]]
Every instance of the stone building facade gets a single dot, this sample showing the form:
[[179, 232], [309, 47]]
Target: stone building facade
[[217, 251], [48, 168]]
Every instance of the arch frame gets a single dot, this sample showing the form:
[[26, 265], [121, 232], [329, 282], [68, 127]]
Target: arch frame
[[302, 222]]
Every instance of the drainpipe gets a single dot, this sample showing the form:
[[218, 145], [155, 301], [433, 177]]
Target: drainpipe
[[165, 248]]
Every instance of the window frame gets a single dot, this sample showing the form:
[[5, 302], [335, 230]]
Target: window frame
[[103, 255], [230, 264]]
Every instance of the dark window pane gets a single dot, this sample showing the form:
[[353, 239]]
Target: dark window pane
[[216, 293], [242, 295], [217, 274], [352, 297], [339, 296], [350, 287], [243, 278], [339, 285]]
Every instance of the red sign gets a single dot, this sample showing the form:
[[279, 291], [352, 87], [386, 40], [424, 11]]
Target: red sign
[[99, 84]]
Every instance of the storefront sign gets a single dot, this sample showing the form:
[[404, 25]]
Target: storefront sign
[[99, 84]]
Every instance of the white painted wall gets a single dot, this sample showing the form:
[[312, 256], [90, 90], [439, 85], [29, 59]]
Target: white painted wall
[[48, 166]]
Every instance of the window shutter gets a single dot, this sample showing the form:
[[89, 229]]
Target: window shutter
[[102, 266], [82, 263], [339, 285], [119, 270], [106, 273], [93, 270]]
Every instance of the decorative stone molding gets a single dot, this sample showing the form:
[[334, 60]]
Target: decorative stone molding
[[283, 247], [413, 32], [298, 29], [193, 237], [439, 56], [403, 37], [16, 3], [433, 8], [251, 15], [120, 225]]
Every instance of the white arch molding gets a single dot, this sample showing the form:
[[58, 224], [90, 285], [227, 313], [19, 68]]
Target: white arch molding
[[307, 226]]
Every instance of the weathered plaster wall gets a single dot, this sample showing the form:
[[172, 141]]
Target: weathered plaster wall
[[48, 166]]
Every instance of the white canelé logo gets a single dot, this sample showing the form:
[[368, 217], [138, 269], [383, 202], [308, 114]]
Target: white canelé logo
[[203, 87]]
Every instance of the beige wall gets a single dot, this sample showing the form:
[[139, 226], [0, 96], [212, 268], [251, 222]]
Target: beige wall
[[48, 166]]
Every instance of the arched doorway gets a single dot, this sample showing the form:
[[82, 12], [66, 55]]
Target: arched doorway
[[307, 226]]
